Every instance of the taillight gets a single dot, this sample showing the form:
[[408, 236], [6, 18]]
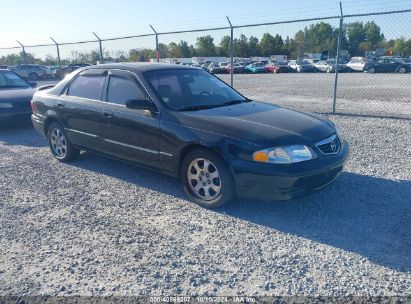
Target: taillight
[[33, 106]]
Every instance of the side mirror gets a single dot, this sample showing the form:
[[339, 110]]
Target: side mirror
[[33, 84], [141, 104]]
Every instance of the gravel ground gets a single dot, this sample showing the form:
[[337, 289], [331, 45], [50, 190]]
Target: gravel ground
[[358, 93], [101, 227]]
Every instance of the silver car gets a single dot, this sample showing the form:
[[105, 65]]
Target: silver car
[[30, 71]]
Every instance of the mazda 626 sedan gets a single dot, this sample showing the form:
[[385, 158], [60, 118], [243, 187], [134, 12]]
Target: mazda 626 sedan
[[187, 123]]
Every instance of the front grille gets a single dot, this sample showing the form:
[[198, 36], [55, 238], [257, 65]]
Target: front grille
[[330, 145]]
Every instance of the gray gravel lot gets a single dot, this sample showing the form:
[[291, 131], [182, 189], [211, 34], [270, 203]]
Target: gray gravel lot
[[102, 227], [358, 93]]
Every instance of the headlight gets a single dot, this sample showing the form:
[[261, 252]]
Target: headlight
[[339, 135], [5, 105], [285, 155]]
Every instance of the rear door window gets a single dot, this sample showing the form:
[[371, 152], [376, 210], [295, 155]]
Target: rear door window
[[87, 86]]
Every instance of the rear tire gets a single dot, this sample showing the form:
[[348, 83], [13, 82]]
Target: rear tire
[[206, 179], [402, 70], [371, 70], [59, 144]]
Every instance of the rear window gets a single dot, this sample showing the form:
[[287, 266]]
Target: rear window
[[87, 86]]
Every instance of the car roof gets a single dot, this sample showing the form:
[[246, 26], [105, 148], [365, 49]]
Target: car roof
[[142, 66]]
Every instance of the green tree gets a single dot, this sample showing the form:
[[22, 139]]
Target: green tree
[[356, 35], [224, 46], [241, 46], [174, 50], [184, 49], [163, 50], [205, 46], [270, 45], [253, 47], [319, 37], [298, 45], [373, 34]]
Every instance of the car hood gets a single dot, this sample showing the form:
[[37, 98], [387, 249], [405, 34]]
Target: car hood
[[259, 123], [16, 95]]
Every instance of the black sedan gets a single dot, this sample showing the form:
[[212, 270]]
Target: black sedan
[[388, 65], [187, 123], [15, 96]]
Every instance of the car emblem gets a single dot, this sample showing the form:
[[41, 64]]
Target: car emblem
[[333, 146]]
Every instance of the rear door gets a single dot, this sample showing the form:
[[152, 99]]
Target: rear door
[[82, 112], [133, 133], [392, 65]]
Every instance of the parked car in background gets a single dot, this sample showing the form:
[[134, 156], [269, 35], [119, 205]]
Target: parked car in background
[[49, 71], [387, 65], [79, 65], [223, 64], [189, 124], [257, 67], [205, 65], [2, 66], [277, 67], [30, 71], [15, 96], [329, 66], [63, 71], [356, 64], [301, 66], [238, 68], [214, 68]]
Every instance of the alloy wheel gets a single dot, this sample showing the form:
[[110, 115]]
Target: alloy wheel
[[204, 179], [58, 143]]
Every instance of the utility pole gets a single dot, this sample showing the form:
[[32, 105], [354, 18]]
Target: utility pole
[[24, 51], [101, 48], [337, 59], [58, 51], [231, 52], [157, 50]]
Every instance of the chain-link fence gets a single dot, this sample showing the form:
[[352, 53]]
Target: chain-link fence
[[351, 64]]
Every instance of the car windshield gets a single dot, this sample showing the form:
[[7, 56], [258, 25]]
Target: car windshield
[[185, 90], [8, 79]]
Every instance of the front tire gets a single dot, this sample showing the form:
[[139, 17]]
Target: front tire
[[59, 144], [33, 76], [371, 70], [402, 70], [206, 179]]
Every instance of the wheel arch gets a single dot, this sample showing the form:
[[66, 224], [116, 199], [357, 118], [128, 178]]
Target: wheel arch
[[194, 146], [48, 122]]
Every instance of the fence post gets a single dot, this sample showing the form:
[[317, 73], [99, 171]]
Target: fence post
[[157, 50], [101, 47], [58, 51], [231, 52], [24, 51], [337, 59]]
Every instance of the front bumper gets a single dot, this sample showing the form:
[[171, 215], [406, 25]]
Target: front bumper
[[282, 182]]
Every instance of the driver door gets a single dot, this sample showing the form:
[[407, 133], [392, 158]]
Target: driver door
[[133, 133]]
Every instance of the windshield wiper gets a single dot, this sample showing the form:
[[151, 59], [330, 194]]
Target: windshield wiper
[[232, 102], [226, 103], [198, 107]]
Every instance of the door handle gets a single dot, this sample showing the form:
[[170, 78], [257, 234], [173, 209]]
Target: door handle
[[107, 114], [60, 104]]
